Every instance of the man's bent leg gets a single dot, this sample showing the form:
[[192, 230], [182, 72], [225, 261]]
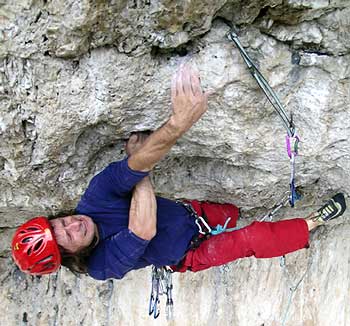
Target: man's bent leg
[[261, 239]]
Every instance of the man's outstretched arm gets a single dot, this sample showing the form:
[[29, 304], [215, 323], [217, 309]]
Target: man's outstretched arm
[[189, 103], [143, 207]]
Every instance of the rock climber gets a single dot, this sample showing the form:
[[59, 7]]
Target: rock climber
[[121, 225]]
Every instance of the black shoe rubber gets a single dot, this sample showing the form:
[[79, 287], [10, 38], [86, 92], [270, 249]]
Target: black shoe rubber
[[334, 208]]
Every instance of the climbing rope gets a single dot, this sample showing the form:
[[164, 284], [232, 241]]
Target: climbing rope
[[292, 140]]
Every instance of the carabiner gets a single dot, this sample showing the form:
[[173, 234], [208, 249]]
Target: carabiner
[[202, 220], [292, 143], [154, 297], [156, 308], [154, 303]]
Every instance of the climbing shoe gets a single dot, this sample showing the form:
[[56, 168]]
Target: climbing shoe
[[334, 208]]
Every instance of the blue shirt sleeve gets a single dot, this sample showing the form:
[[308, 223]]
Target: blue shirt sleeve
[[116, 180], [117, 255]]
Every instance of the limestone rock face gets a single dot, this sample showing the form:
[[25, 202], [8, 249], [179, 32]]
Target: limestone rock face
[[78, 76]]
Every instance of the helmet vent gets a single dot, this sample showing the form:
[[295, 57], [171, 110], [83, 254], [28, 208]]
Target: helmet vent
[[38, 245], [48, 266], [27, 239], [33, 228], [46, 259]]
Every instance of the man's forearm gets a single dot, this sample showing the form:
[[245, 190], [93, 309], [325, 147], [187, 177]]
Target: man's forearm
[[143, 210], [155, 147]]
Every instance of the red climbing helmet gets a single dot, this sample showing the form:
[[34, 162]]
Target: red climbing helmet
[[34, 248]]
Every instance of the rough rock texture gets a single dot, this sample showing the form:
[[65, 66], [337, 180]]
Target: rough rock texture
[[76, 77]]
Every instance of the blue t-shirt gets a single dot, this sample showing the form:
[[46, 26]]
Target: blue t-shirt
[[107, 201]]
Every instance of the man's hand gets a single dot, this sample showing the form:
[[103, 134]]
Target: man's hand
[[135, 142], [189, 103], [188, 100]]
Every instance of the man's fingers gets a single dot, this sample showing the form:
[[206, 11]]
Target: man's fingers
[[186, 82], [143, 136], [173, 85], [191, 81], [209, 93], [196, 84], [179, 86], [186, 79], [133, 138]]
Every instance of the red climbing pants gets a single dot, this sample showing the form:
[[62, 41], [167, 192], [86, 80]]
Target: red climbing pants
[[259, 239]]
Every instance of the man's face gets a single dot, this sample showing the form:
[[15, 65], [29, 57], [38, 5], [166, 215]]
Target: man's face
[[73, 233]]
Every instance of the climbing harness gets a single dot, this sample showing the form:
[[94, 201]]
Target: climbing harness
[[161, 284], [292, 140]]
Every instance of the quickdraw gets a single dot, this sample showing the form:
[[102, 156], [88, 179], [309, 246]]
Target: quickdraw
[[292, 140], [161, 284]]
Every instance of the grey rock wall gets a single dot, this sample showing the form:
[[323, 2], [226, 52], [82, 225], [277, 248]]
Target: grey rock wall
[[77, 77]]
